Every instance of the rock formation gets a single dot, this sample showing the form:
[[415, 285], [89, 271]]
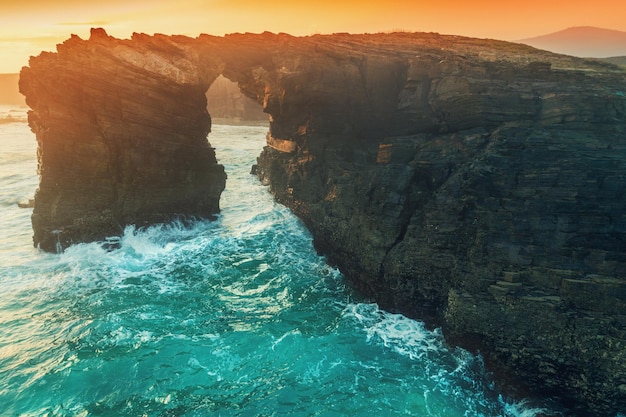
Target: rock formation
[[121, 128], [475, 184]]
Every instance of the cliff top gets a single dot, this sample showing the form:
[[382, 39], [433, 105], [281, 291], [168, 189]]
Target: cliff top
[[398, 44]]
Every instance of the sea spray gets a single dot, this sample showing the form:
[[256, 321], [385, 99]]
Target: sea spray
[[234, 317]]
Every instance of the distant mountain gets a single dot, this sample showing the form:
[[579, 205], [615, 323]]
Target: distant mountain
[[9, 91], [583, 41], [617, 60]]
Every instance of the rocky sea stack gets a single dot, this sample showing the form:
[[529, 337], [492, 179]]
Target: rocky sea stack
[[476, 184], [121, 128]]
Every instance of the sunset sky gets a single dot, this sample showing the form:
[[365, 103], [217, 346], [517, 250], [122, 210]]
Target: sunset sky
[[29, 26]]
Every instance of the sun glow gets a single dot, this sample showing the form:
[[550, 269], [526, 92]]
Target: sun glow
[[30, 26]]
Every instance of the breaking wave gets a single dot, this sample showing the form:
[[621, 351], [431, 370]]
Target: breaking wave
[[236, 317]]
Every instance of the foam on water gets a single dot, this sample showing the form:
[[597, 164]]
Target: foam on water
[[236, 317]]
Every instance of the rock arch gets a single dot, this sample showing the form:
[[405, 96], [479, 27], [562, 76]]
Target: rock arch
[[476, 184], [114, 120], [121, 124]]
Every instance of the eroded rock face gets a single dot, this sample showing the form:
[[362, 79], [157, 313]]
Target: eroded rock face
[[121, 127], [475, 184]]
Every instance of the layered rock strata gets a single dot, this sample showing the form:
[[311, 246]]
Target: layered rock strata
[[475, 184], [122, 131]]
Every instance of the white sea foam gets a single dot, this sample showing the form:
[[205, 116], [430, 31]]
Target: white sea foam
[[228, 317], [521, 409], [448, 372], [294, 332], [395, 331]]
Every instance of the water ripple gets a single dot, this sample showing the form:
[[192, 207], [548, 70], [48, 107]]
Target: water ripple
[[236, 317]]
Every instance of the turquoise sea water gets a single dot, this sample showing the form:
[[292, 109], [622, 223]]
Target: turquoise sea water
[[237, 317]]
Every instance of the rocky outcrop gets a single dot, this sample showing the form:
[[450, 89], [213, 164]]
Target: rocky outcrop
[[121, 128], [475, 184]]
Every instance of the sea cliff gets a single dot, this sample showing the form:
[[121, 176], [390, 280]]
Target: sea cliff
[[121, 128], [475, 184]]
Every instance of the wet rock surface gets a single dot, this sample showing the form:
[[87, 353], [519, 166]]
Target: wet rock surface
[[475, 184]]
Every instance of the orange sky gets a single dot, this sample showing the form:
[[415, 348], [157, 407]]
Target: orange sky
[[30, 26]]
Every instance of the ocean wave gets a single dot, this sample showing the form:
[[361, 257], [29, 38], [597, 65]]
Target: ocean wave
[[239, 316], [445, 372], [403, 335]]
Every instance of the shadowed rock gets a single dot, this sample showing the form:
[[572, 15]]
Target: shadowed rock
[[475, 184], [121, 128]]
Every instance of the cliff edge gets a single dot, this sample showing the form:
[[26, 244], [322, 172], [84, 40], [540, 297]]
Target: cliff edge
[[475, 184]]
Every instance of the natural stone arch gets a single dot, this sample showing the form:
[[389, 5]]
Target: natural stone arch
[[473, 183], [115, 119]]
